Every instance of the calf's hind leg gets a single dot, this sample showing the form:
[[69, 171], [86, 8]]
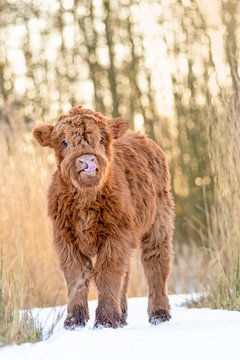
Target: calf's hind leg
[[156, 259]]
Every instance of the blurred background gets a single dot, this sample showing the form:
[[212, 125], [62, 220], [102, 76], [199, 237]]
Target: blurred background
[[171, 67]]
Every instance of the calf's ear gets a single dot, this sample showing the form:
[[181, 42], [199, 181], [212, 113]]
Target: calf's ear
[[118, 127], [43, 134]]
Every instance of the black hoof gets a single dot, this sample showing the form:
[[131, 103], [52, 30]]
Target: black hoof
[[77, 319], [107, 318], [159, 316], [108, 324], [123, 319]]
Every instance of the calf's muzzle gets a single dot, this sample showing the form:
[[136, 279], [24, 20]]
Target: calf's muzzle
[[87, 163]]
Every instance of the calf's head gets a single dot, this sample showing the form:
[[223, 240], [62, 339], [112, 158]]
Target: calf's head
[[82, 140]]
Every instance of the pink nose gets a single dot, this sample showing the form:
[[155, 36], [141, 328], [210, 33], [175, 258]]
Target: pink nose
[[88, 163]]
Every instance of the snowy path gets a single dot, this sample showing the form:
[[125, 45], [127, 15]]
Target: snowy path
[[191, 334]]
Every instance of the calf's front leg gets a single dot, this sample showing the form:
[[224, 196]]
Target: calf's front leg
[[77, 269], [109, 273]]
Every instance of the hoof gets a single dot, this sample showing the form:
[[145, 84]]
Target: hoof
[[77, 319], [123, 322], [123, 319], [108, 324], [107, 318], [159, 316]]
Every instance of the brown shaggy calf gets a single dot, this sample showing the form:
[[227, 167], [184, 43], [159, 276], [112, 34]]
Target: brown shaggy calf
[[110, 192]]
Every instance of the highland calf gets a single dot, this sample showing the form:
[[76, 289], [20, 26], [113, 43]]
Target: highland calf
[[110, 193]]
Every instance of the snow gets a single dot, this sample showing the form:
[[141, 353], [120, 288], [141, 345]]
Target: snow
[[191, 334]]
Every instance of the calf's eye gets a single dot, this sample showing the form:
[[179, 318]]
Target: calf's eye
[[65, 143], [102, 140]]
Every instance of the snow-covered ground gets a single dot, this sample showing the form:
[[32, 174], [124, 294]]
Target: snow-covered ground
[[191, 334]]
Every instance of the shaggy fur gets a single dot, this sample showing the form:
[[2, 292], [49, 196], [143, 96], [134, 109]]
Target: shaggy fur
[[110, 193]]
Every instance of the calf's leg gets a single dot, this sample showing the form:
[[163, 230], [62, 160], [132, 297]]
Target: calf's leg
[[77, 269], [156, 259], [110, 278], [78, 278], [124, 306]]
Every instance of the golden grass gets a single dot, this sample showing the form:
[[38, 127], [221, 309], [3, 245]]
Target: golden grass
[[25, 238], [16, 326], [29, 274], [222, 236]]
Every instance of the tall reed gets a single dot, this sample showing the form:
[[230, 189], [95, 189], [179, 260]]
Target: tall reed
[[222, 238]]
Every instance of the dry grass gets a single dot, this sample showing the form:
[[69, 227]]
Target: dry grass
[[222, 236], [28, 263], [15, 326], [25, 238]]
